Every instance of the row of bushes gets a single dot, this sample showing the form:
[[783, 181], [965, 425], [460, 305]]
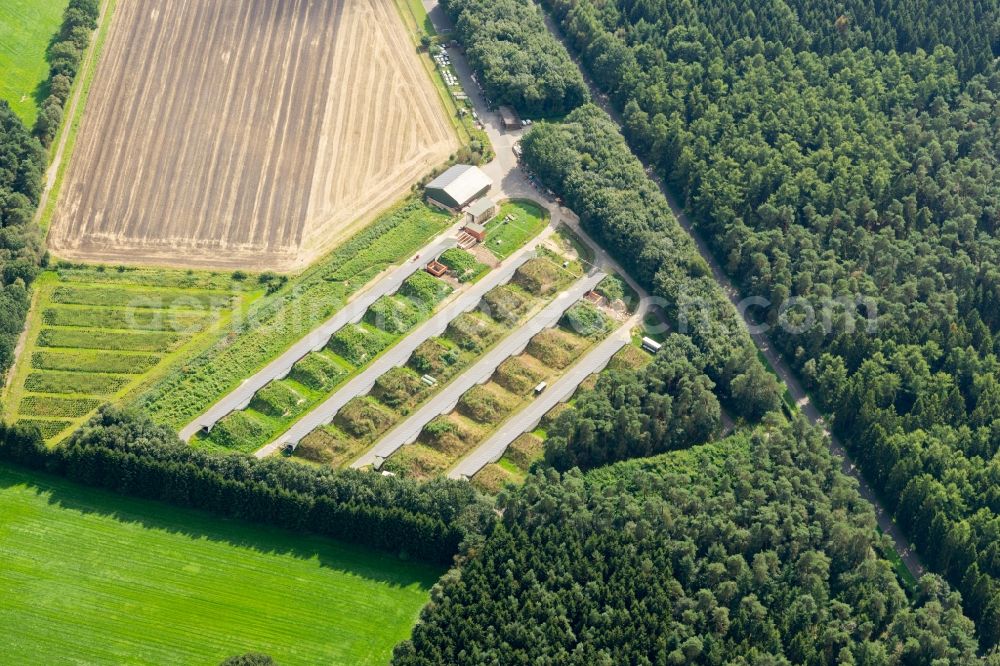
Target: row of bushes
[[64, 55], [22, 161], [127, 453]]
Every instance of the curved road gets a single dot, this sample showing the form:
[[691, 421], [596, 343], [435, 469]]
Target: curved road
[[444, 401], [885, 521]]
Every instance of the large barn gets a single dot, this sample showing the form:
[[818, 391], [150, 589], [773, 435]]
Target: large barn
[[458, 186]]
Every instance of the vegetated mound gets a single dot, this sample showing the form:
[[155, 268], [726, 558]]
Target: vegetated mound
[[754, 549]]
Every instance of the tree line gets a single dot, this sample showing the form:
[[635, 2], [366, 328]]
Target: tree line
[[863, 177], [518, 61], [755, 550], [127, 453], [64, 56], [586, 160], [671, 405], [22, 163]]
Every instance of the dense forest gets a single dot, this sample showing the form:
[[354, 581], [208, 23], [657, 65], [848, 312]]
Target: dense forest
[[671, 405], [587, 161], [754, 550], [22, 162], [127, 453], [518, 61], [852, 166]]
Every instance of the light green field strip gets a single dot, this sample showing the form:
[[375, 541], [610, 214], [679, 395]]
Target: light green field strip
[[26, 28], [90, 343], [91, 577]]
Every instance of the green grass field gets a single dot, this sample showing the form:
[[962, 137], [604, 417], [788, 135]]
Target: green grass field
[[26, 28], [504, 236], [91, 577]]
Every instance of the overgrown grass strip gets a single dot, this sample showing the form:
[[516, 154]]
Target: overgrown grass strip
[[134, 364], [87, 383]]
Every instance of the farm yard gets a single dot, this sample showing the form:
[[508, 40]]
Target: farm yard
[[26, 27], [259, 133], [97, 334], [93, 577]]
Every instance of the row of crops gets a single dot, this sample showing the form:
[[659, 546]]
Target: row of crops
[[100, 333]]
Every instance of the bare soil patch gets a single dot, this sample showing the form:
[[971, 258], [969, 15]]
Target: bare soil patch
[[246, 133]]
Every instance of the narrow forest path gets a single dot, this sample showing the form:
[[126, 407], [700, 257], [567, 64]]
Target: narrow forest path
[[885, 521]]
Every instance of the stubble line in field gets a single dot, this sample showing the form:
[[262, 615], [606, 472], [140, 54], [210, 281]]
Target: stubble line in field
[[248, 134]]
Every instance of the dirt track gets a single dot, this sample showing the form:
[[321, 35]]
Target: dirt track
[[246, 133]]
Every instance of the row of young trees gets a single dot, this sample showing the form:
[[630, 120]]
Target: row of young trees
[[129, 454], [22, 162], [864, 179], [64, 56], [518, 61], [586, 160], [755, 550]]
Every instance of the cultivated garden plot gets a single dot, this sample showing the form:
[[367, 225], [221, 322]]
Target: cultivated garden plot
[[99, 334], [434, 363], [315, 376], [257, 133], [514, 384]]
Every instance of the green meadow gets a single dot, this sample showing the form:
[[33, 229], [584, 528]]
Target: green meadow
[[26, 28], [91, 577]]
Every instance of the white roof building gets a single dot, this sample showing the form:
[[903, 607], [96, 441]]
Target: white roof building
[[458, 186]]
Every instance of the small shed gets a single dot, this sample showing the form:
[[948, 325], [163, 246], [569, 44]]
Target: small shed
[[436, 268], [481, 211], [475, 230], [508, 118], [651, 345]]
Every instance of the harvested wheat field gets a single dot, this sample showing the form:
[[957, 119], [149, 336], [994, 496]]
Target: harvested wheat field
[[246, 133]]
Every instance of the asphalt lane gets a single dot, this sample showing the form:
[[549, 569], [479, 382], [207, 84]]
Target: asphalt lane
[[401, 352], [279, 368], [446, 400]]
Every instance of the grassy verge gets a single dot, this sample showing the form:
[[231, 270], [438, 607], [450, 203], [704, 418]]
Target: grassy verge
[[26, 28], [97, 334], [418, 24], [91, 577]]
